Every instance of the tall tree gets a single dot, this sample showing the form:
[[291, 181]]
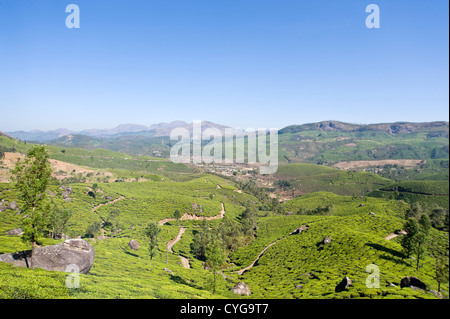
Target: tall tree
[[442, 271], [409, 241], [423, 237], [57, 219], [32, 177], [215, 258], [416, 240], [152, 232]]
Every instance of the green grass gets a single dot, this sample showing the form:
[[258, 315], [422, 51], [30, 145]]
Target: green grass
[[310, 178], [425, 192]]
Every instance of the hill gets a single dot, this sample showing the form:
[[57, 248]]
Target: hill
[[331, 142]]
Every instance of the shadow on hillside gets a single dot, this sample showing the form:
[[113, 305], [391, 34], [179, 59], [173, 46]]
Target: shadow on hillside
[[396, 256], [180, 280]]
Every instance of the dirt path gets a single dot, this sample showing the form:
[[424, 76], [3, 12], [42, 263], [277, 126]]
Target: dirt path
[[240, 272], [393, 235], [294, 232], [175, 240], [185, 262], [171, 243], [103, 222], [408, 163], [108, 203], [186, 216]]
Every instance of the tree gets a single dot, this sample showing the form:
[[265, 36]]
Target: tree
[[58, 219], [442, 273], [93, 229], [152, 232], [423, 237], [32, 177], [215, 258], [409, 241], [415, 212], [417, 237], [201, 241], [177, 214]]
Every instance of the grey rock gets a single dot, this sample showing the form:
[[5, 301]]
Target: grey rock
[[133, 244], [56, 257], [412, 282], [343, 285], [15, 232], [168, 270], [241, 288], [12, 205]]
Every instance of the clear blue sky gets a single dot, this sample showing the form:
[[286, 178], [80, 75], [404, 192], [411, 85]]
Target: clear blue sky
[[243, 63]]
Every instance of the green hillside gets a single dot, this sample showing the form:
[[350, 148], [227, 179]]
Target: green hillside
[[357, 210], [310, 178]]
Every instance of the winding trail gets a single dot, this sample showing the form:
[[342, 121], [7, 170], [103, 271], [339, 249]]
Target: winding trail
[[176, 239], [186, 216], [241, 271], [108, 203], [100, 205], [171, 243], [294, 232]]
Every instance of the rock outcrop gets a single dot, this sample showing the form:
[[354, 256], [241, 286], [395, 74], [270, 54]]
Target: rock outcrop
[[241, 288], [133, 244], [412, 282], [56, 257], [15, 232], [343, 285]]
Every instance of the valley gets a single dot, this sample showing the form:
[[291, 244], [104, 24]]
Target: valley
[[337, 204]]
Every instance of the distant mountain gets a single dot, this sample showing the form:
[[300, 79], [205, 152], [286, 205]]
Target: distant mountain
[[390, 128], [156, 130]]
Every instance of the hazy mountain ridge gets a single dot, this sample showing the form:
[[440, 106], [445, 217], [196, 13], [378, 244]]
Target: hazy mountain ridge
[[160, 129], [391, 128]]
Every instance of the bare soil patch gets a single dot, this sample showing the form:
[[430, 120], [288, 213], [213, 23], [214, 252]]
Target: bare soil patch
[[407, 163]]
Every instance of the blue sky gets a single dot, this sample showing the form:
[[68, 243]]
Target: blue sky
[[243, 63]]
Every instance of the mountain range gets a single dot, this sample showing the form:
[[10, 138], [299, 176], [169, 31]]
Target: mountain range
[[164, 129]]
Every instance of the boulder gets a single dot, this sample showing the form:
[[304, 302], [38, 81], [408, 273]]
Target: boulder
[[67, 191], [241, 288], [412, 282], [50, 193], [169, 271], [15, 232], [133, 244], [56, 257], [343, 285], [12, 205], [326, 240], [299, 230]]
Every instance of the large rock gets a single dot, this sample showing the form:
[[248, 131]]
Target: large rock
[[241, 288], [15, 232], [67, 191], [12, 206], [412, 282], [343, 285], [133, 244], [56, 257]]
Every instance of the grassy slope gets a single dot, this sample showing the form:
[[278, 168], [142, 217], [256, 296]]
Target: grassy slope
[[312, 178], [427, 192], [357, 241]]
